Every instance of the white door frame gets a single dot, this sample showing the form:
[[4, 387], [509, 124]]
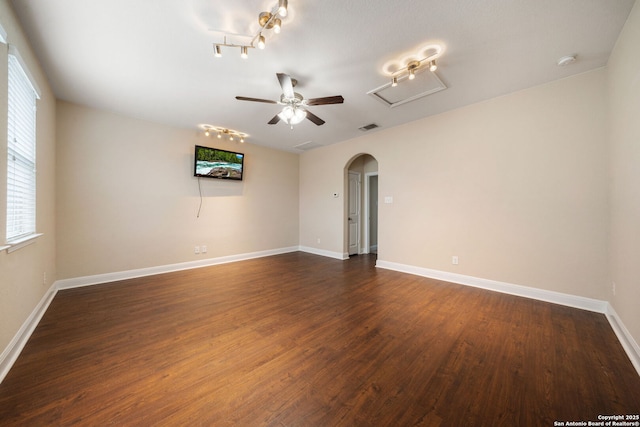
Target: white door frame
[[358, 202], [367, 213]]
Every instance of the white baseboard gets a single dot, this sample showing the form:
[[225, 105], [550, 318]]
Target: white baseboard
[[628, 343], [150, 271], [325, 253], [493, 285], [13, 350]]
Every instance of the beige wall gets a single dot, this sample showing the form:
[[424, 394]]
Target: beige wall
[[624, 102], [127, 198], [516, 187], [22, 273]]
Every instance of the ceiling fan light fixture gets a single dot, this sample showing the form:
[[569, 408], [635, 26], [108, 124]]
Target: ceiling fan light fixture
[[292, 115], [298, 115], [287, 113], [282, 8]]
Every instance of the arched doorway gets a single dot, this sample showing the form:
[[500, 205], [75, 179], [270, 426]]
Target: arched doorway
[[361, 205]]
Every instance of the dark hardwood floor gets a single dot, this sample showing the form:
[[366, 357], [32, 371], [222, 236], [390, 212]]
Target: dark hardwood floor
[[302, 340]]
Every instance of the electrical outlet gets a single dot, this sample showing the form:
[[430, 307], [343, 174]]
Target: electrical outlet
[[454, 260], [196, 250], [203, 249]]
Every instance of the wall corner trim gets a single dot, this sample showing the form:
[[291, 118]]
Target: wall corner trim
[[630, 345], [626, 340]]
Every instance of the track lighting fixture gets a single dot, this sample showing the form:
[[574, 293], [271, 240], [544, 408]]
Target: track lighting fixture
[[267, 21], [231, 134], [410, 63]]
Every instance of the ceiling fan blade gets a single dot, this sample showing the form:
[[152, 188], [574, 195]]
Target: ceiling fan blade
[[266, 101], [286, 85], [315, 119], [338, 99], [275, 120]]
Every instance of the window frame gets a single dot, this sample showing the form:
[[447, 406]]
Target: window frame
[[24, 96]]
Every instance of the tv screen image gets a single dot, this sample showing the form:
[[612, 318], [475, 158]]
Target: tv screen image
[[216, 163]]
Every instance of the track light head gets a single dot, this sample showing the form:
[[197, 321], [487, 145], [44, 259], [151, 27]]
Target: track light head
[[394, 82], [282, 8], [217, 51], [277, 25], [412, 67], [261, 42], [244, 52], [433, 66]]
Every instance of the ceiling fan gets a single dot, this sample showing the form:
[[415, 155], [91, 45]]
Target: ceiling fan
[[294, 110]]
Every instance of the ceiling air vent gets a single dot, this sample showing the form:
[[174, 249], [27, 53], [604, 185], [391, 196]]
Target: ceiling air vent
[[368, 127]]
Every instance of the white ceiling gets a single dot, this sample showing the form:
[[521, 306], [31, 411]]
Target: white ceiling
[[153, 59]]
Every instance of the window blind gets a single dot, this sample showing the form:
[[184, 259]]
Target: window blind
[[21, 150]]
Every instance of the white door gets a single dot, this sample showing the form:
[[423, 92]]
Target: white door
[[354, 212]]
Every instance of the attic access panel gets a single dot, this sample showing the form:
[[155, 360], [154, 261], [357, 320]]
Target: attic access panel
[[425, 83]]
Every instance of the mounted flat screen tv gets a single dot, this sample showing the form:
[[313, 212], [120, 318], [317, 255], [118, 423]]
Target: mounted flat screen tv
[[216, 163]]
